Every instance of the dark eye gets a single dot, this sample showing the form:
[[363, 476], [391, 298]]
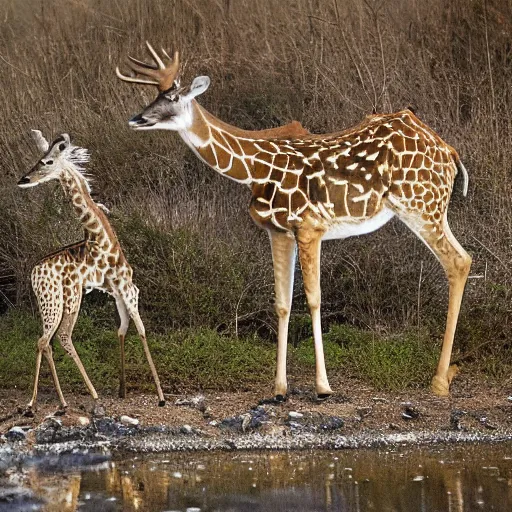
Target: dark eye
[[62, 147], [49, 162]]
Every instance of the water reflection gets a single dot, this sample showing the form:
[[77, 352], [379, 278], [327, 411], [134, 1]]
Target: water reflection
[[463, 479]]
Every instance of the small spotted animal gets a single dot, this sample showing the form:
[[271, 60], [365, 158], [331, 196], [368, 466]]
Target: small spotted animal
[[97, 262], [308, 188]]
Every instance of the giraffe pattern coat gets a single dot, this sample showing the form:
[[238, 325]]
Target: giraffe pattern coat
[[97, 262], [308, 188]]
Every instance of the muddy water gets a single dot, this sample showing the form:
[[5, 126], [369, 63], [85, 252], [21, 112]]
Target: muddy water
[[466, 478]]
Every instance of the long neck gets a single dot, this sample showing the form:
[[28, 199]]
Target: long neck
[[228, 149], [92, 218]]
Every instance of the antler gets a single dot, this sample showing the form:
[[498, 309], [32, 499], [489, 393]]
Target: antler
[[41, 142], [162, 74]]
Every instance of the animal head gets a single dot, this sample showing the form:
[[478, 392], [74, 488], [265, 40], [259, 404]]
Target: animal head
[[57, 157], [171, 108]]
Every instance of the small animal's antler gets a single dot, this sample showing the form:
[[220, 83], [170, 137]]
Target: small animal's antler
[[162, 74], [41, 142]]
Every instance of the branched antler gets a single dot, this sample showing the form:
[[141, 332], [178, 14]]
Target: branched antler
[[162, 73]]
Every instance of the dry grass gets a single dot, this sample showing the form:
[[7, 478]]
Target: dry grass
[[198, 259]]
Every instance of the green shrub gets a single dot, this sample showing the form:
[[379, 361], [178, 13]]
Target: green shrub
[[186, 359], [387, 362]]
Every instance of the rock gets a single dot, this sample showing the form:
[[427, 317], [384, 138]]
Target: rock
[[197, 402], [410, 413], [331, 423], [186, 429], [293, 415], [98, 411], [16, 434], [183, 401], [246, 421], [455, 419], [251, 420], [83, 421], [128, 421]]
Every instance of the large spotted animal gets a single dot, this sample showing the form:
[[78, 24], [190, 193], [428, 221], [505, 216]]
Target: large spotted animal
[[309, 188]]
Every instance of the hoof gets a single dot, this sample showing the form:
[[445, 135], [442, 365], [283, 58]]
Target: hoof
[[279, 399], [321, 397], [441, 385], [161, 403], [61, 411]]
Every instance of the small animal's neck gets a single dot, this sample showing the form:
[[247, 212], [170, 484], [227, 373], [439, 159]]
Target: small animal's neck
[[225, 148], [92, 218]]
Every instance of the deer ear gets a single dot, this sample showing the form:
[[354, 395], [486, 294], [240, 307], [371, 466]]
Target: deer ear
[[65, 136], [41, 143], [198, 86]]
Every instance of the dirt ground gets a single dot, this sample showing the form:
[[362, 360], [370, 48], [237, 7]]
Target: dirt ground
[[472, 406]]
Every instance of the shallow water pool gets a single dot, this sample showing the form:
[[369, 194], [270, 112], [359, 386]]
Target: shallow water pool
[[464, 478]]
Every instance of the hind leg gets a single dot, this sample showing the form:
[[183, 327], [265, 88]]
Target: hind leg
[[456, 263], [131, 300], [50, 306], [48, 352], [123, 328], [65, 331]]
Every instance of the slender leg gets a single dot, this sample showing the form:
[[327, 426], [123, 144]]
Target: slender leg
[[456, 263], [284, 250], [123, 328], [50, 306], [49, 357], [65, 332], [309, 243], [131, 300]]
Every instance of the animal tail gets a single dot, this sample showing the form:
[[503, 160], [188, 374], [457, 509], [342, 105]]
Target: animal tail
[[461, 168]]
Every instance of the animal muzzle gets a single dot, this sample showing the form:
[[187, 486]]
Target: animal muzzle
[[140, 122], [24, 182]]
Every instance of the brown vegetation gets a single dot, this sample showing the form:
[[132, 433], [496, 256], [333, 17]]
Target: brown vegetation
[[198, 259]]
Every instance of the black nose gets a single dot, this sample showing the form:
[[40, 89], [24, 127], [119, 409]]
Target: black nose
[[24, 180], [138, 119]]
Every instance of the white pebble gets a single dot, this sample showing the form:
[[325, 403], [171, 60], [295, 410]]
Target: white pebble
[[127, 420], [295, 415]]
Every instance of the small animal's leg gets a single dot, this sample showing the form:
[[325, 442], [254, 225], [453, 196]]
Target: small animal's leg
[[131, 300], [123, 328], [65, 331], [49, 357], [49, 296], [309, 243], [284, 249]]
